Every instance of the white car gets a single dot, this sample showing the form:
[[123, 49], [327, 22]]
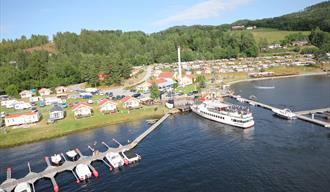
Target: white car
[[21, 106]]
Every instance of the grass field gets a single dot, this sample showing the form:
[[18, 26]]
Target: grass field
[[42, 130], [273, 35]]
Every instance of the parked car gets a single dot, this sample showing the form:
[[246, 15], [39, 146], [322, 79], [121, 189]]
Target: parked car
[[3, 114], [136, 95], [34, 109], [109, 94], [90, 101]]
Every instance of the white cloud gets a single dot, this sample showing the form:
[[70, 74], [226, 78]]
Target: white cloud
[[203, 10]]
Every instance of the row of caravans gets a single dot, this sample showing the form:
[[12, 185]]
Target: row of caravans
[[80, 110]]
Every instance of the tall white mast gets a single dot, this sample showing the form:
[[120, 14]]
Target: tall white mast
[[179, 63]]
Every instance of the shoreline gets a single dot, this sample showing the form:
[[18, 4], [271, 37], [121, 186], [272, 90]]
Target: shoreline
[[276, 77], [124, 120], [56, 134]]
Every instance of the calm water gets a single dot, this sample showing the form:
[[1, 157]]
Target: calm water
[[188, 153]]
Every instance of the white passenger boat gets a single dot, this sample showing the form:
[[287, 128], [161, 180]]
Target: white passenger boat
[[56, 159], [285, 113], [115, 159], [23, 187], [83, 172], [224, 113], [72, 154]]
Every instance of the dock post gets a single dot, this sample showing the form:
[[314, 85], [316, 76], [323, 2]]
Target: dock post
[[8, 173], [95, 173], [312, 115], [55, 186]]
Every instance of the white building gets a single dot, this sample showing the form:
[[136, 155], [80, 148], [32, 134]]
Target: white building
[[107, 106], [25, 94], [20, 119]]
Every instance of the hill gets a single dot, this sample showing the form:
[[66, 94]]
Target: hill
[[273, 35], [49, 47], [317, 15]]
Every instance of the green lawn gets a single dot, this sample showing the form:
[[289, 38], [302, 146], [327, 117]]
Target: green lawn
[[273, 34], [42, 130], [186, 89]]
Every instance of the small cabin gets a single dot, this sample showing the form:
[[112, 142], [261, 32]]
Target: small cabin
[[82, 110], [107, 106], [60, 90], [130, 102], [56, 113], [26, 94], [44, 92]]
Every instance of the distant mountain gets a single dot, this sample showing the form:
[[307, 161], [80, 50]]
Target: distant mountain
[[317, 15]]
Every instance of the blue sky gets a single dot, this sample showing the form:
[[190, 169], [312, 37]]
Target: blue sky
[[46, 17]]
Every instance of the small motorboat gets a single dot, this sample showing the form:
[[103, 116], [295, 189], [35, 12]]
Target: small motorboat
[[23, 187], [170, 104], [151, 121], [115, 159], [285, 113], [133, 159], [56, 159], [72, 154], [83, 172]]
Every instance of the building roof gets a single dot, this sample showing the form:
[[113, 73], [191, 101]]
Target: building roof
[[80, 105], [25, 91], [157, 81], [126, 98], [166, 74], [56, 108], [19, 115], [105, 101]]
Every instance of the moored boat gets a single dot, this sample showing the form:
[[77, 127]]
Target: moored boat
[[224, 113], [83, 172], [285, 113], [170, 104], [56, 159], [23, 187], [115, 159], [72, 154]]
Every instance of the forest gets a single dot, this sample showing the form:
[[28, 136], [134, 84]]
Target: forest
[[311, 17], [82, 57]]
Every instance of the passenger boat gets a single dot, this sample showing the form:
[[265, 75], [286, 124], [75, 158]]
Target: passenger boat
[[23, 187], [56, 159], [72, 154], [224, 113], [285, 113], [83, 172], [115, 159]]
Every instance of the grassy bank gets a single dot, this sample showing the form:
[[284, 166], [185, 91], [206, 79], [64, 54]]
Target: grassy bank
[[273, 35], [42, 131]]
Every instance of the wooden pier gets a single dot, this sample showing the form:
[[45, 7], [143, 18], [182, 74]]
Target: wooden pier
[[299, 114], [51, 171]]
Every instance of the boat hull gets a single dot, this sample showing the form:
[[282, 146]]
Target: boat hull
[[247, 125]]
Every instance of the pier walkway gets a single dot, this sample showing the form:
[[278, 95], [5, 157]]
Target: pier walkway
[[299, 114], [51, 171]]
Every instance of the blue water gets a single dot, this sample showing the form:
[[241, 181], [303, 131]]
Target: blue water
[[188, 153]]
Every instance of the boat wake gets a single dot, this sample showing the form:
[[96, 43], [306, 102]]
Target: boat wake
[[264, 87]]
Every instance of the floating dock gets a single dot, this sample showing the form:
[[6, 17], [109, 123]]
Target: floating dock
[[51, 171], [299, 114]]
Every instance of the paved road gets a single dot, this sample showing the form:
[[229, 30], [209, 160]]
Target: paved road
[[123, 91]]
